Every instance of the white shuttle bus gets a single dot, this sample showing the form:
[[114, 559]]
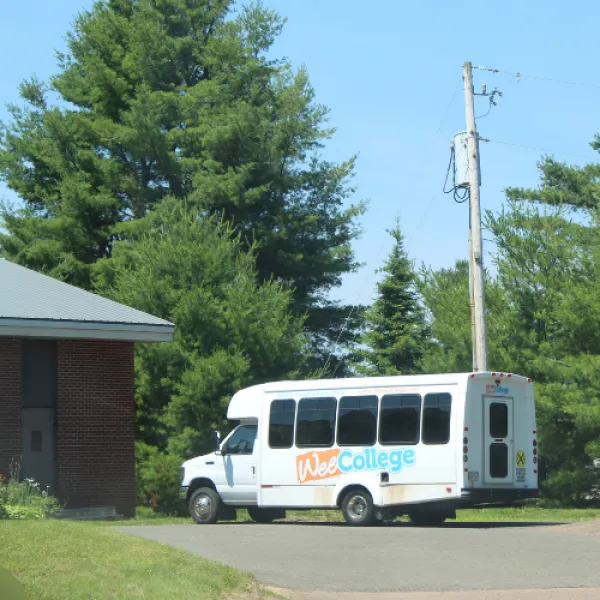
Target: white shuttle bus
[[376, 448]]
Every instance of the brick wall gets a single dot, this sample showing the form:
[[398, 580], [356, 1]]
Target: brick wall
[[10, 402], [95, 424]]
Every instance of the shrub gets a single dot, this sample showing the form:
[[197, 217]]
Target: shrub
[[158, 479], [25, 499]]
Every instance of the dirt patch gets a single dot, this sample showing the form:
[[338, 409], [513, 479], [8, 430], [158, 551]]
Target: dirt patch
[[581, 528], [259, 592]]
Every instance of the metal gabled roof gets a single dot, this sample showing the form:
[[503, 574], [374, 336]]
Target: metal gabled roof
[[33, 304]]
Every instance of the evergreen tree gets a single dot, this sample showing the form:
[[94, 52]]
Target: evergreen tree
[[549, 267], [396, 334], [445, 294], [542, 313], [231, 330], [177, 98]]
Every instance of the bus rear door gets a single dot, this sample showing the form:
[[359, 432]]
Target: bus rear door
[[498, 440]]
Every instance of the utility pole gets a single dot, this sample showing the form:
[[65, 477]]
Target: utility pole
[[475, 243]]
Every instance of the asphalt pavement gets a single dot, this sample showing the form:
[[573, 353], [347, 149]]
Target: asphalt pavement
[[320, 561]]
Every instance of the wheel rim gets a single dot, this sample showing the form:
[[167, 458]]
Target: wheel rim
[[203, 507], [357, 507]]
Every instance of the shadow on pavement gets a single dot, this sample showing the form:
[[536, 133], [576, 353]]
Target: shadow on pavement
[[404, 525]]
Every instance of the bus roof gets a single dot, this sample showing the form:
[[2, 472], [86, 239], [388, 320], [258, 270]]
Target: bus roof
[[247, 403]]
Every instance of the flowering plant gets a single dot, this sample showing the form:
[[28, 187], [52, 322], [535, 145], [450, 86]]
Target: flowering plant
[[24, 499]]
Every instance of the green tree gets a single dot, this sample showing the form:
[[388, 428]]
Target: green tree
[[396, 335], [178, 98], [542, 258], [561, 320], [231, 329], [445, 294], [549, 267], [563, 185]]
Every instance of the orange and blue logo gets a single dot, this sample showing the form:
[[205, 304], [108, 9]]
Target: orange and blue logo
[[317, 465], [496, 389]]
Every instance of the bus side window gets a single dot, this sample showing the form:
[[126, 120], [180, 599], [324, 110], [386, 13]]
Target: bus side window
[[399, 419], [436, 418], [357, 421], [281, 423], [315, 423]]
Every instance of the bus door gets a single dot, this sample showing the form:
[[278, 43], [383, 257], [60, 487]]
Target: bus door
[[498, 440]]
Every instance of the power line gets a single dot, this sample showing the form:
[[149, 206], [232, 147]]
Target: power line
[[519, 75], [541, 149], [383, 243]]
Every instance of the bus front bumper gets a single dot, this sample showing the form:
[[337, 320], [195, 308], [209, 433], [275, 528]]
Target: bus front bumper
[[485, 495]]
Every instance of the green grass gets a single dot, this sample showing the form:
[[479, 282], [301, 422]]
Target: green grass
[[496, 515], [61, 560], [528, 513], [493, 515]]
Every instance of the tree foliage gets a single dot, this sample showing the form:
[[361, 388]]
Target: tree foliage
[[396, 335], [178, 98], [232, 330], [542, 313]]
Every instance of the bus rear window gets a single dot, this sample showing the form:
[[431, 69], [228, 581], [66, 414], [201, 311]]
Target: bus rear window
[[436, 419], [281, 423], [498, 420], [316, 422], [399, 419], [498, 461]]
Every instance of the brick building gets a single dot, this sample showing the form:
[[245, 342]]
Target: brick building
[[67, 411]]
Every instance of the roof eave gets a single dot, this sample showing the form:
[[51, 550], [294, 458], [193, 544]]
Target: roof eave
[[131, 332]]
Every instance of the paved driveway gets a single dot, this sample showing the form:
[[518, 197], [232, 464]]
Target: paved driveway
[[337, 558]]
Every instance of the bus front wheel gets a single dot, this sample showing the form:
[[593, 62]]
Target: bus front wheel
[[204, 506], [357, 508]]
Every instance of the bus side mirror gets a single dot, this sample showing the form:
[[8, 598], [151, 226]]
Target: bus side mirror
[[217, 440]]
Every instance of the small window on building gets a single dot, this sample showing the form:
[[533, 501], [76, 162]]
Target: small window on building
[[316, 422], [281, 423], [399, 419], [36, 441], [357, 421], [436, 418]]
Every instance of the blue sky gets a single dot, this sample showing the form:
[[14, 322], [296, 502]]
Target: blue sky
[[388, 70]]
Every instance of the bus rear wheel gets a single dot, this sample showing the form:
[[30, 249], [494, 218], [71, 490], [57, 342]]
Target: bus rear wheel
[[357, 508]]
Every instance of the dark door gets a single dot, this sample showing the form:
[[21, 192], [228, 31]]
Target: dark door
[[37, 445], [498, 440], [38, 411]]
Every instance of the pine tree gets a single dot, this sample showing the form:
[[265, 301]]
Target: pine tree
[[549, 267], [178, 98], [231, 330], [396, 334]]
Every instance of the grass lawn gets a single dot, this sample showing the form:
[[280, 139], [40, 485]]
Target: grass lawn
[[517, 514], [63, 560]]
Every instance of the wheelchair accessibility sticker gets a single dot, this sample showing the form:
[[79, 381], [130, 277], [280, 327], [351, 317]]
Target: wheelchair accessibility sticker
[[520, 458]]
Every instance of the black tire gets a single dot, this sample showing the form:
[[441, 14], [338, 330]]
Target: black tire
[[427, 519], [204, 506], [261, 515], [358, 509]]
